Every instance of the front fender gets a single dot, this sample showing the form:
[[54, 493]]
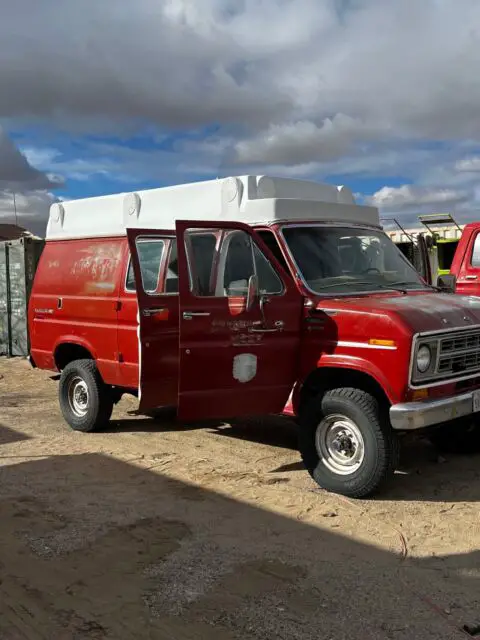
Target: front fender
[[350, 363], [364, 366]]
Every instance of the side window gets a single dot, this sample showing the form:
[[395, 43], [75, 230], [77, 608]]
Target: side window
[[236, 261], [272, 243], [268, 280], [130, 282], [238, 265], [202, 258], [244, 259], [150, 254], [171, 277], [476, 252]]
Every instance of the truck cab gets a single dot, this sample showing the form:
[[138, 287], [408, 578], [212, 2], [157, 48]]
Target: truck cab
[[465, 267], [255, 295]]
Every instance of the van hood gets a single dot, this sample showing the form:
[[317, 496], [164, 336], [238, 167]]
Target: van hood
[[421, 312]]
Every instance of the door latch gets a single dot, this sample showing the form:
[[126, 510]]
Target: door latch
[[188, 315], [153, 312]]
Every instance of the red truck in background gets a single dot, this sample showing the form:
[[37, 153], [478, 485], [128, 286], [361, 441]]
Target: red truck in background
[[464, 275], [451, 263]]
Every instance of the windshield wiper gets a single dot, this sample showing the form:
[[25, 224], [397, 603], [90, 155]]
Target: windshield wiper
[[398, 283], [391, 287]]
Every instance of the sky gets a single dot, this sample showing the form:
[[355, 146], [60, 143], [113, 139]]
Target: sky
[[103, 97]]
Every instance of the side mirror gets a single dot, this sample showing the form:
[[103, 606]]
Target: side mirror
[[252, 292], [447, 283]]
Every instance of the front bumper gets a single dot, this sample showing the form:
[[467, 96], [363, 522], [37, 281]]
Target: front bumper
[[427, 413]]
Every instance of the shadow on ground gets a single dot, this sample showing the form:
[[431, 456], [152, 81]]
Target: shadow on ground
[[93, 548], [424, 474], [8, 436]]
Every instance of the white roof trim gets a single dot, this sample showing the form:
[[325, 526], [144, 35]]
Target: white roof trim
[[254, 200]]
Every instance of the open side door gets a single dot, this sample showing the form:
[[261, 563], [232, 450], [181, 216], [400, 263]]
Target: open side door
[[157, 329], [240, 323]]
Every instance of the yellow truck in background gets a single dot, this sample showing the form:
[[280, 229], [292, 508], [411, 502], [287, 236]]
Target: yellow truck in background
[[441, 234]]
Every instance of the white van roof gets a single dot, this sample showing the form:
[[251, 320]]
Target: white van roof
[[254, 200]]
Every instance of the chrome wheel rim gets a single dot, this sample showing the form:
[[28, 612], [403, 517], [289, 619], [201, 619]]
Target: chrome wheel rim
[[78, 396], [340, 444]]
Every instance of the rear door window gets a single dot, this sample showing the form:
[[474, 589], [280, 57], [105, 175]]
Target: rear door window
[[150, 253]]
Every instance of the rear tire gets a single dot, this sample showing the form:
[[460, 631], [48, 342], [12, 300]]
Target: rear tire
[[345, 444], [85, 401], [461, 437]]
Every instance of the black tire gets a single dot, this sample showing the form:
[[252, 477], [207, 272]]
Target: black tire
[[461, 436], [380, 444], [97, 404]]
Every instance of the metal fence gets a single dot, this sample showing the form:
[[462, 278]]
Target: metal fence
[[18, 263]]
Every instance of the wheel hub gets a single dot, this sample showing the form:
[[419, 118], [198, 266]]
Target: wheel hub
[[340, 445], [78, 396]]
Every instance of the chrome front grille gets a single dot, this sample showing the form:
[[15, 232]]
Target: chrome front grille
[[459, 353]]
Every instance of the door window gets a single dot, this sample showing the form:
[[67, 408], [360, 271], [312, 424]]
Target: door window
[[230, 267], [202, 258], [271, 241], [171, 276], [150, 252]]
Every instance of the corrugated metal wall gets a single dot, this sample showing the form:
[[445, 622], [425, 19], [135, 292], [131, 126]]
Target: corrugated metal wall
[[4, 297], [18, 263]]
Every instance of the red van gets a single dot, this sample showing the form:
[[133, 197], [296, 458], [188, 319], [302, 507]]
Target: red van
[[255, 295]]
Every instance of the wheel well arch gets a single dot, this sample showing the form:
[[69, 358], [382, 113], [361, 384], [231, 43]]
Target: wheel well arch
[[67, 352], [326, 378]]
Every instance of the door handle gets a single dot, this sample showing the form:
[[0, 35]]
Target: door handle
[[279, 324], [188, 315], [470, 277], [153, 312]]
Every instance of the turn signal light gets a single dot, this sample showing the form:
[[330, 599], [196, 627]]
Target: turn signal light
[[382, 343], [419, 394]]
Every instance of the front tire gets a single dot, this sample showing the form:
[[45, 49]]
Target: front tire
[[85, 401], [345, 444]]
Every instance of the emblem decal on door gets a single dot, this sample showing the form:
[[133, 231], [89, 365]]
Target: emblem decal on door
[[244, 367]]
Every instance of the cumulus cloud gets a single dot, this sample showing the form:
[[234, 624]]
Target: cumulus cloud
[[304, 141], [468, 165], [16, 172], [276, 69], [29, 210], [295, 87], [114, 61], [24, 189], [408, 196]]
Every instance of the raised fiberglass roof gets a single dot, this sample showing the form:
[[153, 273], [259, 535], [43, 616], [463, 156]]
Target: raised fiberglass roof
[[253, 200]]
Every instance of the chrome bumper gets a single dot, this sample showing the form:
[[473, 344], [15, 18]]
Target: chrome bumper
[[427, 413]]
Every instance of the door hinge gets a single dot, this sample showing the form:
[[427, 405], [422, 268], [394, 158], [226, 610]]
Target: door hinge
[[117, 305]]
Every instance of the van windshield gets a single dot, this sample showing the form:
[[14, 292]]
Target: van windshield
[[349, 260]]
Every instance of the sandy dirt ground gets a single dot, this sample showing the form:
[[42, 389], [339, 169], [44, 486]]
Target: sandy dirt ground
[[159, 530]]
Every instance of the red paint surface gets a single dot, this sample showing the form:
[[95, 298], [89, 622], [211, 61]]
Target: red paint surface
[[75, 292], [382, 316]]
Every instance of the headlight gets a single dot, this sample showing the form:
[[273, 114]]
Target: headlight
[[424, 358]]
